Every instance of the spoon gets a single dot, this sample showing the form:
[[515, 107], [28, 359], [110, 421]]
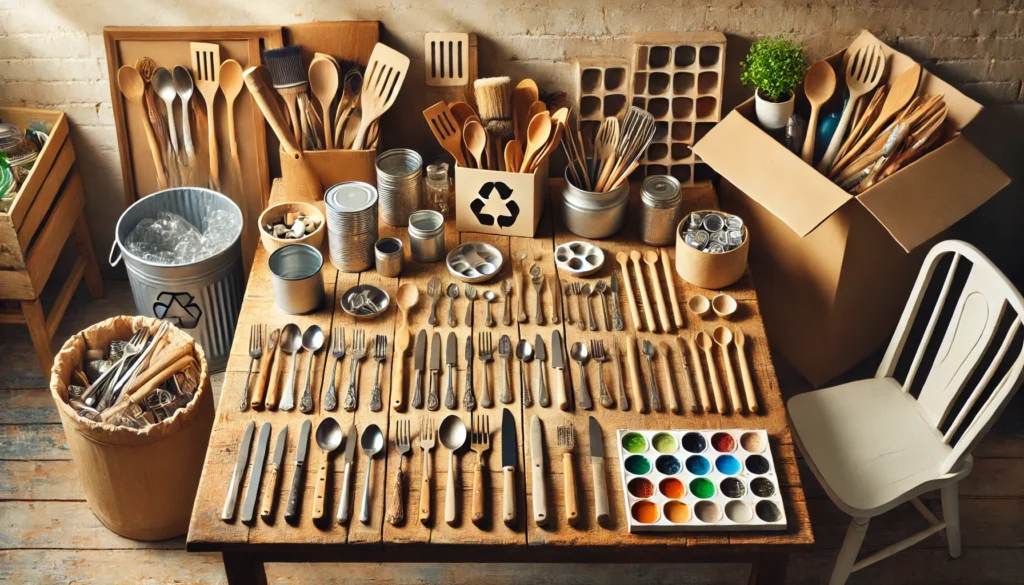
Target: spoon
[[406, 297], [131, 84], [600, 289], [328, 438], [648, 351], [351, 85], [453, 293], [291, 341], [524, 353], [231, 83], [623, 259], [723, 337], [475, 138], [513, 154], [489, 296], [819, 85], [536, 137], [703, 341], [579, 354], [312, 341], [651, 259], [506, 318], [471, 295], [587, 293], [635, 256], [523, 96], [372, 442], [453, 436], [184, 86], [323, 83], [748, 381], [163, 85]]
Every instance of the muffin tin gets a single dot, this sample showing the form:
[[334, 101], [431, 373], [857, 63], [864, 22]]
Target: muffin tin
[[474, 262], [579, 258], [699, 480]]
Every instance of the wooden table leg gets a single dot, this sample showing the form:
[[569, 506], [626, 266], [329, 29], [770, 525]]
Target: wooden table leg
[[769, 568], [244, 569]]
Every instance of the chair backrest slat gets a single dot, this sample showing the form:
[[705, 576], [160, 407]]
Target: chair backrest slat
[[982, 384], [932, 321]]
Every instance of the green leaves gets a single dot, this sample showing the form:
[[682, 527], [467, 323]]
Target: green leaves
[[775, 66]]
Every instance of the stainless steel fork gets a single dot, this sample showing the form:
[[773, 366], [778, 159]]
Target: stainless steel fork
[[255, 352], [599, 355], [485, 351], [504, 352], [380, 353], [403, 444], [434, 292], [338, 352], [358, 353], [577, 290]]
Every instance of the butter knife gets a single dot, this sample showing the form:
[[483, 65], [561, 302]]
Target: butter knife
[[228, 513], [256, 475], [451, 359], [468, 398], [616, 315], [541, 354], [418, 364], [433, 402], [540, 500]]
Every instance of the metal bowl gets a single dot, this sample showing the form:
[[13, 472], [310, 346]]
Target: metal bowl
[[474, 262], [365, 301]]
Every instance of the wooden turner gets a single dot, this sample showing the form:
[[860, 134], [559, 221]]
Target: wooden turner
[[448, 133], [385, 74], [862, 75], [205, 68]]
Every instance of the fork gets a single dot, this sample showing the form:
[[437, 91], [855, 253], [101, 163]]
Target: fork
[[577, 289], [380, 353], [434, 292], [479, 442], [648, 350], [471, 297], [538, 287], [599, 355], [359, 348], [102, 386], [485, 352], [567, 440], [427, 440], [338, 352], [568, 306], [504, 351], [403, 444], [255, 353]]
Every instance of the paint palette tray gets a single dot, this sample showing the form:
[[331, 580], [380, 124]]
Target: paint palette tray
[[579, 258], [699, 480], [474, 262]]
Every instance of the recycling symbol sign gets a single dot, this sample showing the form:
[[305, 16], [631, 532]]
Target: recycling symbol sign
[[178, 308], [500, 210]]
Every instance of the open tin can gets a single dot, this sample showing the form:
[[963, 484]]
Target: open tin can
[[296, 278]]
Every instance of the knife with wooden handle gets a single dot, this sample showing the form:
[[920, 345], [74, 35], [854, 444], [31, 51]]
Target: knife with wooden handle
[[597, 469], [509, 459], [270, 491], [540, 500]]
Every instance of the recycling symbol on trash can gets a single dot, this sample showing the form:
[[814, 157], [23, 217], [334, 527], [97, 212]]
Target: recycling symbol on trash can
[[178, 308], [499, 209]]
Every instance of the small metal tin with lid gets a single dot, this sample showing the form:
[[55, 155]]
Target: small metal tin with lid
[[426, 236], [351, 225], [659, 210], [390, 256], [399, 184]]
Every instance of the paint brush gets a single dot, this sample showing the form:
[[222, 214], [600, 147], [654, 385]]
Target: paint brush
[[494, 102], [289, 79]]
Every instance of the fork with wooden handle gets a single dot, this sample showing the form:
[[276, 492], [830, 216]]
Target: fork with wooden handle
[[403, 444], [260, 391], [480, 442], [427, 440]]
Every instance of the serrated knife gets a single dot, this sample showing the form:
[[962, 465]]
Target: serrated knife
[[291, 513], [509, 459], [419, 363], [597, 469], [433, 400], [558, 363], [541, 354], [256, 475], [228, 513], [451, 359], [270, 493], [540, 500]]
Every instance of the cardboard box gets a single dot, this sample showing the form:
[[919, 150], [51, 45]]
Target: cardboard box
[[333, 167], [500, 203], [832, 270]]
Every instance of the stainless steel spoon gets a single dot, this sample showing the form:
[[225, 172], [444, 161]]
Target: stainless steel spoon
[[312, 341], [184, 86], [372, 441], [489, 296], [471, 296], [587, 292], [291, 341], [524, 353], [600, 289], [452, 433], [453, 293], [579, 354], [163, 85], [538, 286], [506, 317], [328, 438], [648, 351]]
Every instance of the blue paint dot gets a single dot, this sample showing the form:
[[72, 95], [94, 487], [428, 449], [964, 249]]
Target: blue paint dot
[[668, 465], [728, 465], [698, 465]]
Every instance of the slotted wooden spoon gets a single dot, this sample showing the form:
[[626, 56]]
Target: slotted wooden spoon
[[385, 74], [205, 68], [446, 130], [862, 75]]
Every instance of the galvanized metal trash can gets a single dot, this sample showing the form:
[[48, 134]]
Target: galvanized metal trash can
[[202, 298]]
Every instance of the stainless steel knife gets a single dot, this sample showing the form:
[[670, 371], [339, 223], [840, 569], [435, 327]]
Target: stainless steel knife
[[236, 476], [256, 475], [270, 493], [541, 353], [509, 459], [468, 397], [351, 438], [451, 359], [597, 469], [540, 499], [433, 400], [616, 315], [291, 513], [558, 362], [419, 363]]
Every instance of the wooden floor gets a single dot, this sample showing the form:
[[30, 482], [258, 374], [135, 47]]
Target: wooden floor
[[48, 534]]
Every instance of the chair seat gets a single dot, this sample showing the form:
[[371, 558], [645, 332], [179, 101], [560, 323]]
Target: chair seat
[[868, 444]]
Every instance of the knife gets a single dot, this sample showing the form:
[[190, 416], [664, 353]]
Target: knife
[[468, 398], [236, 476], [558, 362], [541, 354], [540, 500], [597, 469], [275, 468], [256, 475], [418, 363], [616, 315], [433, 402], [291, 513], [351, 438], [509, 458], [451, 358]]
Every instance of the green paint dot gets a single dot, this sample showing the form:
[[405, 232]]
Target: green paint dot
[[665, 443], [634, 443], [702, 488], [640, 465]]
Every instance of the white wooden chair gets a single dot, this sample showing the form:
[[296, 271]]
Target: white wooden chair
[[873, 445]]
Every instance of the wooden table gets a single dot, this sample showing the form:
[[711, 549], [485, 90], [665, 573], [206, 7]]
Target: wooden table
[[246, 548]]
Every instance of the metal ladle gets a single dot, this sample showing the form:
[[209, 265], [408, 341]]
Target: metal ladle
[[328, 438], [312, 341], [453, 436], [372, 442], [291, 341]]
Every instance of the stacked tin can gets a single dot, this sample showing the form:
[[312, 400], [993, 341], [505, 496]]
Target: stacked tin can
[[399, 184], [659, 210], [351, 225]]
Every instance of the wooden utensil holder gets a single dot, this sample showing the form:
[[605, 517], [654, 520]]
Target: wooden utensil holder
[[332, 167], [712, 271]]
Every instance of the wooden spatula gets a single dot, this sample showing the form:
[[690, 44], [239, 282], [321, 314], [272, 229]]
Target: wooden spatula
[[385, 74], [862, 75], [446, 130], [205, 68], [447, 59], [523, 97]]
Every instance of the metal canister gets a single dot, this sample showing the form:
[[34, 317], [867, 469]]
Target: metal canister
[[659, 210], [296, 278], [426, 236], [399, 184], [594, 215], [390, 255], [351, 225]]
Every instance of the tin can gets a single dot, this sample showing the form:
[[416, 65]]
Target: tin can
[[426, 236], [296, 278], [594, 215], [351, 225], [399, 185], [659, 210], [390, 256]]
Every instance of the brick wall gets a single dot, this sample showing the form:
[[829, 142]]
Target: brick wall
[[52, 54]]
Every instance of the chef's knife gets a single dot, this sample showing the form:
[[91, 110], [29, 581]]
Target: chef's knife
[[540, 500], [558, 362], [451, 358], [269, 494], [351, 438], [616, 315], [236, 476], [419, 363], [291, 513], [597, 468], [541, 353], [256, 475], [468, 397], [433, 401], [509, 458]]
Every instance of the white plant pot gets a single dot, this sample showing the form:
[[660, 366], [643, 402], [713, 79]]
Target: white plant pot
[[772, 115]]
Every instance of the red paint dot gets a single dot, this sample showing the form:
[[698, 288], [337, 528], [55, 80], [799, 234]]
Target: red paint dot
[[723, 442]]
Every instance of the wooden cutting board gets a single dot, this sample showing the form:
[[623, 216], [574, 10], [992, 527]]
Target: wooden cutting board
[[346, 41]]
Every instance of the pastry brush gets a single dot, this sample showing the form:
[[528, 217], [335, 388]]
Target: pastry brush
[[289, 79]]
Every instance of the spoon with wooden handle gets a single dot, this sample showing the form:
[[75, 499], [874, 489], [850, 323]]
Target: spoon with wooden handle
[[723, 337], [703, 341], [130, 82], [623, 259], [698, 374], [651, 258], [475, 138], [670, 389], [634, 373], [748, 381], [819, 85], [670, 284]]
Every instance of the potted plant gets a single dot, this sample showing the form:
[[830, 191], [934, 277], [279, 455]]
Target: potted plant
[[774, 66]]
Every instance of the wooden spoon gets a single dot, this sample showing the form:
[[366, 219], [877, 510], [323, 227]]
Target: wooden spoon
[[748, 381], [536, 137], [558, 118], [323, 82], [406, 297], [723, 337], [819, 85], [670, 390], [349, 94], [132, 86], [231, 84], [514, 155], [698, 373], [635, 256], [623, 259], [523, 96], [651, 259], [703, 341], [475, 138], [862, 75]]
